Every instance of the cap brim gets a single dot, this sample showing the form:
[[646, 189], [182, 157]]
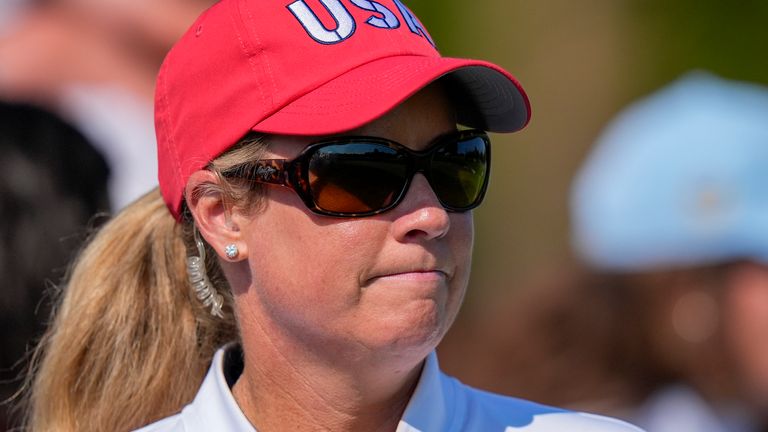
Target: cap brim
[[487, 97]]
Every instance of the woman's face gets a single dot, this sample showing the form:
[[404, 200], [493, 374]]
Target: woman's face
[[386, 284]]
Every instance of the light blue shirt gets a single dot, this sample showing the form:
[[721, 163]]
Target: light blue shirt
[[439, 404]]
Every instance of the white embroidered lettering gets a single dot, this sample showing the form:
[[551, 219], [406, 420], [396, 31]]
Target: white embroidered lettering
[[387, 20], [413, 22], [345, 24]]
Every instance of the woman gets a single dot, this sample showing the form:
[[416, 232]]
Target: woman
[[337, 291]]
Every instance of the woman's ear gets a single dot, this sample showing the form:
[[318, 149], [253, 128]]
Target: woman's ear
[[213, 216]]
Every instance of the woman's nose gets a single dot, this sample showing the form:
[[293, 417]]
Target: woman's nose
[[420, 216]]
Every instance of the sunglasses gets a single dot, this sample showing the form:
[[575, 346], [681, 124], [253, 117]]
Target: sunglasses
[[364, 176]]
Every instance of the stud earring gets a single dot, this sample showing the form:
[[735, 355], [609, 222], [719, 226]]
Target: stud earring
[[198, 277], [231, 251]]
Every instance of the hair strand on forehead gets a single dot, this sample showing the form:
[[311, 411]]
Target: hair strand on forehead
[[235, 190]]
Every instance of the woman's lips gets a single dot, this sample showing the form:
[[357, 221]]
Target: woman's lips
[[417, 275]]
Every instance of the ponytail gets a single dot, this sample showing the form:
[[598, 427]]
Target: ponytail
[[130, 343]]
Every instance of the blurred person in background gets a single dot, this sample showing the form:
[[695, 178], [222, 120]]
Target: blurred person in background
[[663, 319], [52, 182], [94, 62], [671, 210]]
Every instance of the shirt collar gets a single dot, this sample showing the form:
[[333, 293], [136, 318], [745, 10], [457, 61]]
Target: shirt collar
[[215, 406], [432, 405]]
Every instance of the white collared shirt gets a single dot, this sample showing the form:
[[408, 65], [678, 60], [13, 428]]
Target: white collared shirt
[[439, 404]]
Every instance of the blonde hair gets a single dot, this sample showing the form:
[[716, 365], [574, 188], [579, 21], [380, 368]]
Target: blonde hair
[[130, 343]]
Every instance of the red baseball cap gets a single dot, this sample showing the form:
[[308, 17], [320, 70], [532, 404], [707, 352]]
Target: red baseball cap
[[307, 67]]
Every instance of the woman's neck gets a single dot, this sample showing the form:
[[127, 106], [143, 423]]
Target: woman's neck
[[294, 382], [278, 393]]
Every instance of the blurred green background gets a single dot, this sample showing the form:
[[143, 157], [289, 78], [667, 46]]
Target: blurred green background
[[580, 62]]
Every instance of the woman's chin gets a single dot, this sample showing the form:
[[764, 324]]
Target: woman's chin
[[405, 335]]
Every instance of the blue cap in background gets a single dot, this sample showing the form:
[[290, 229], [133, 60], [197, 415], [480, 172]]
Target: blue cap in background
[[679, 178]]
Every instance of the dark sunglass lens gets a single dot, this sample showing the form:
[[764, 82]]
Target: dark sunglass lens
[[354, 178], [459, 173]]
